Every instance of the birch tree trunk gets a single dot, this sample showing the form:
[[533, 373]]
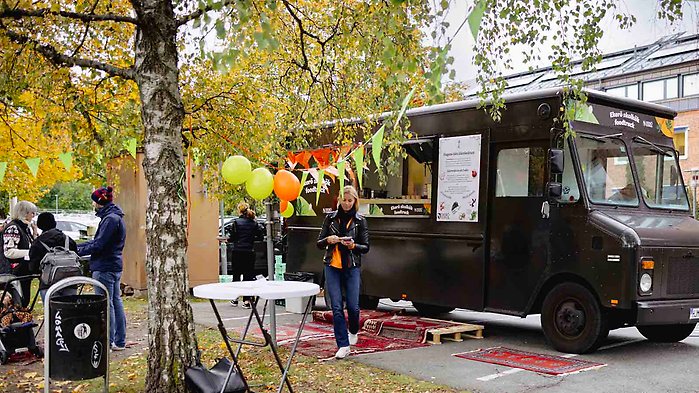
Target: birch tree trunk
[[171, 339]]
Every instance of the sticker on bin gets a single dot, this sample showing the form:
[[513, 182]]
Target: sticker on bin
[[82, 331], [96, 354], [693, 313]]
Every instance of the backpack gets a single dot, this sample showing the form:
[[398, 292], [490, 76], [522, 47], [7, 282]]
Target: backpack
[[59, 263]]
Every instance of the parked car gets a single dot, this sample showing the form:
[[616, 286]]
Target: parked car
[[73, 229]]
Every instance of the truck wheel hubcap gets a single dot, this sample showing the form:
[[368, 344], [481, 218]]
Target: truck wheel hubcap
[[570, 318]]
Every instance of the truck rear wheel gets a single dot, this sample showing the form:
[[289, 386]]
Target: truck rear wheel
[[666, 333], [572, 319], [367, 302], [430, 310]]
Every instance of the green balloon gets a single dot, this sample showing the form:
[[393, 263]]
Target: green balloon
[[289, 210], [236, 169], [260, 183]]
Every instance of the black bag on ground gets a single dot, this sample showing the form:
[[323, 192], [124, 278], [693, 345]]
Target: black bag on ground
[[201, 380], [59, 263]]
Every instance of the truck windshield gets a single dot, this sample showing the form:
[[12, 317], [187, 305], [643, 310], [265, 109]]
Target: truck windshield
[[659, 176], [606, 171]]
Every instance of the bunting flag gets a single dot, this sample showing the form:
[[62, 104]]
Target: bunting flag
[[33, 164], [66, 160], [321, 174], [304, 176], [476, 17], [403, 107], [291, 160], [376, 146], [322, 157], [341, 174], [130, 145], [303, 157], [359, 162], [3, 168]]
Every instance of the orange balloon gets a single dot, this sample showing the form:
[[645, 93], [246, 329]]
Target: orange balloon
[[283, 205], [286, 185]]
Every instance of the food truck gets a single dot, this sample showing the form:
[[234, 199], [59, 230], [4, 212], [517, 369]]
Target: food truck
[[590, 228]]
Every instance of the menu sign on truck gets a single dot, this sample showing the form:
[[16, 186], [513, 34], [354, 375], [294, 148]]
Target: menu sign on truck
[[459, 178]]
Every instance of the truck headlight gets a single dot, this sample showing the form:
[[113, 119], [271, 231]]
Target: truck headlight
[[646, 282]]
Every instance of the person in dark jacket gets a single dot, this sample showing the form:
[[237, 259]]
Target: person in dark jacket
[[51, 237], [106, 262], [17, 237], [242, 234], [345, 237]]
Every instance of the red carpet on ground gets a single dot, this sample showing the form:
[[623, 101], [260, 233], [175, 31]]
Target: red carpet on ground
[[537, 362]]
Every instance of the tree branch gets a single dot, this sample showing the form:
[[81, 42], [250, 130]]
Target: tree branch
[[201, 11], [19, 13], [52, 55]]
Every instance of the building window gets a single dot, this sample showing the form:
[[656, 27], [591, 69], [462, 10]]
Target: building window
[[690, 85], [680, 140], [628, 91], [660, 89]]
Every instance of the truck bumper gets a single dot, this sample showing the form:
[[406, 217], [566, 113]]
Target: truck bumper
[[667, 312]]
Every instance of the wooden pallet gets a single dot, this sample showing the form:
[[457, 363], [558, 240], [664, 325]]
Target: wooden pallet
[[453, 333]]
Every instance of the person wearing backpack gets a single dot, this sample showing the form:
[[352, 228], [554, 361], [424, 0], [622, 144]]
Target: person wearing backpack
[[50, 237], [242, 234], [106, 263], [17, 237]]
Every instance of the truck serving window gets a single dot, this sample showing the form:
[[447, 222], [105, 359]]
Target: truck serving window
[[407, 193], [659, 176], [606, 170]]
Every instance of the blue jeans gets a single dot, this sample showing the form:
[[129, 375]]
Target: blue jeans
[[117, 317], [335, 280]]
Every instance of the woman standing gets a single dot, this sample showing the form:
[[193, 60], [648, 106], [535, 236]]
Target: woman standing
[[242, 234], [17, 237], [344, 236]]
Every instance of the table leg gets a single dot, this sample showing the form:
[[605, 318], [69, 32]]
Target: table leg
[[296, 342], [234, 363]]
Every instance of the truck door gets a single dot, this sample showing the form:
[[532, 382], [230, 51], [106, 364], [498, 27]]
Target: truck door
[[518, 227]]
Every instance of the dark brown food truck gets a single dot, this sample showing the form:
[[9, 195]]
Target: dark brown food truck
[[593, 231]]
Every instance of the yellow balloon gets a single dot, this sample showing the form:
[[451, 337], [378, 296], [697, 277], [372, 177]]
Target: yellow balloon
[[289, 211], [236, 170], [260, 183]]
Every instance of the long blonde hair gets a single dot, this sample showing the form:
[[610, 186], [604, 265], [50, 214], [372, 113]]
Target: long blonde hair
[[244, 210], [353, 192]]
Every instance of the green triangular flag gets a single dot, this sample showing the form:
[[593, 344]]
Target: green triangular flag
[[66, 160], [359, 161], [130, 145], [303, 182], [3, 168], [33, 164], [321, 174], [376, 146], [475, 17], [341, 174], [404, 106]]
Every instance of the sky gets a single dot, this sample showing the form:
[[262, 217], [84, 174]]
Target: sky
[[646, 31]]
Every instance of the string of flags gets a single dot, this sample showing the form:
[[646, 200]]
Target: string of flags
[[330, 161], [66, 159]]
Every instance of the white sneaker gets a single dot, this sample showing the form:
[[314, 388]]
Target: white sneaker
[[353, 339], [342, 353]]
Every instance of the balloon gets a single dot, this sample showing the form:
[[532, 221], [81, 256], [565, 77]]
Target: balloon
[[286, 185], [283, 205], [260, 183], [289, 211], [236, 170]]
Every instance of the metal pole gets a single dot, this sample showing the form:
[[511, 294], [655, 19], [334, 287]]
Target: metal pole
[[270, 269], [56, 203], [222, 244], [694, 199]]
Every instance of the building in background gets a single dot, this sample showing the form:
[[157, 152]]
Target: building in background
[[665, 72]]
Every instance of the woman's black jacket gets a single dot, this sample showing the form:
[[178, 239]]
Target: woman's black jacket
[[358, 230]]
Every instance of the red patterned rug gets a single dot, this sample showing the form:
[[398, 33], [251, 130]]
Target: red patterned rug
[[391, 325], [540, 363], [325, 347]]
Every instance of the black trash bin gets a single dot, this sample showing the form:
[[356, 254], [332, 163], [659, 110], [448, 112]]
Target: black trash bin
[[78, 337]]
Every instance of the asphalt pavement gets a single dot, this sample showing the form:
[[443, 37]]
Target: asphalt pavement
[[632, 364]]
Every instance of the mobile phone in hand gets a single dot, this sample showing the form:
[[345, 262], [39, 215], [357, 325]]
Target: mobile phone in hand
[[346, 238]]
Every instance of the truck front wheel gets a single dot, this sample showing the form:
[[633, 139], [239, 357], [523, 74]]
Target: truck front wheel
[[666, 333], [572, 319]]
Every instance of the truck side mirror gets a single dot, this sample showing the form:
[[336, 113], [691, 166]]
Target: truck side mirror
[[555, 190], [556, 160]]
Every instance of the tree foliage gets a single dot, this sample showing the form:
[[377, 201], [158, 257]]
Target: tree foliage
[[71, 196]]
